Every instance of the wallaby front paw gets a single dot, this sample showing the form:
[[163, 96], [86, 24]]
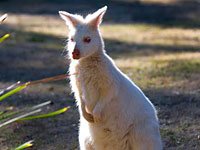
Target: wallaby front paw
[[88, 117], [97, 117]]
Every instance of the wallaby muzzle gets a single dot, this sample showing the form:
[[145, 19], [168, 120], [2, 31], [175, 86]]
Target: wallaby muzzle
[[76, 54]]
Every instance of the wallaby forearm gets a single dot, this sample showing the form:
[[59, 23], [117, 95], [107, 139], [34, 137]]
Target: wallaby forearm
[[89, 117]]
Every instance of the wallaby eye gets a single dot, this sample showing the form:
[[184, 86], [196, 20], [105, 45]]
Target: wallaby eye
[[86, 39]]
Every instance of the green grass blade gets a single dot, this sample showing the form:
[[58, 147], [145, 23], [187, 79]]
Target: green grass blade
[[51, 114], [4, 37], [25, 145], [9, 88], [19, 117], [19, 88], [7, 115]]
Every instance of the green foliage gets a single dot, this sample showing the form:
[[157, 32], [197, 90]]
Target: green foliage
[[51, 114], [4, 37], [16, 90], [8, 117], [25, 145], [2, 18]]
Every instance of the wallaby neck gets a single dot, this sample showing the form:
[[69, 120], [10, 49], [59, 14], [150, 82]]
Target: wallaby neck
[[93, 60], [97, 66]]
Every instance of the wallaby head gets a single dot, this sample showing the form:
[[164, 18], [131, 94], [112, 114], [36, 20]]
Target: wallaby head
[[84, 35]]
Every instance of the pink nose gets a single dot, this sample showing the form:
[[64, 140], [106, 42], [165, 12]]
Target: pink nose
[[76, 54]]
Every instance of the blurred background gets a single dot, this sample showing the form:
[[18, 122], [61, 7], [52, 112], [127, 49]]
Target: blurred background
[[155, 42]]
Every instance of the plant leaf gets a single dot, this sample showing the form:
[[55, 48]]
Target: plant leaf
[[9, 88], [19, 117], [19, 88], [4, 37], [25, 145], [51, 114]]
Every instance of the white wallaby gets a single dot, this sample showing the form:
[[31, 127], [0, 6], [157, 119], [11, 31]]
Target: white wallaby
[[114, 112]]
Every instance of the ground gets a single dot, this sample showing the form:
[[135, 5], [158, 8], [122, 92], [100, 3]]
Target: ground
[[156, 43]]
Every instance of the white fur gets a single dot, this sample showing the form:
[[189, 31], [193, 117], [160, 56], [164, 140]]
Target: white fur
[[124, 117]]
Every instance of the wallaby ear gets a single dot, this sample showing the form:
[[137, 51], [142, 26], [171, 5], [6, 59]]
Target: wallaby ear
[[70, 19], [95, 19]]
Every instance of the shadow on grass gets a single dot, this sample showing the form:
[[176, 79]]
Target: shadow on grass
[[30, 59], [58, 132], [61, 132], [183, 13], [30, 56], [178, 115], [116, 48]]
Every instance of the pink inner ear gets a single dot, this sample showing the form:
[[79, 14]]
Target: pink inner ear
[[70, 19], [73, 20], [95, 19]]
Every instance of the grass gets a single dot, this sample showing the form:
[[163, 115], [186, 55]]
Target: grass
[[163, 61], [152, 34], [162, 70], [6, 117]]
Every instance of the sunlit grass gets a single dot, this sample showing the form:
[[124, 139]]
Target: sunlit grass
[[152, 34], [162, 70], [137, 33]]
